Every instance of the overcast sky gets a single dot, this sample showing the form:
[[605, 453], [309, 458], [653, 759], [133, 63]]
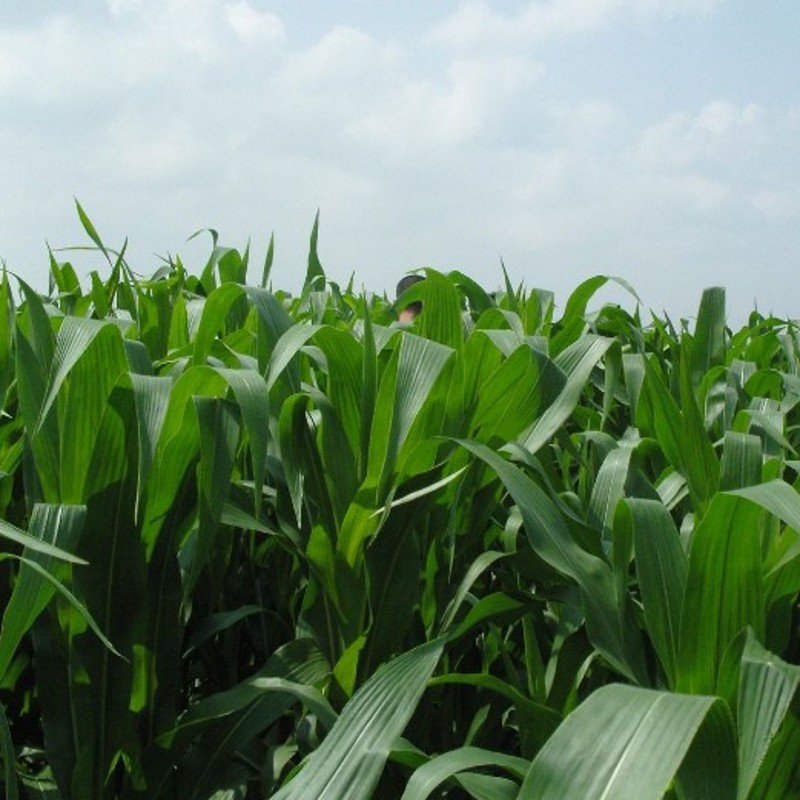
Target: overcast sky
[[656, 140]]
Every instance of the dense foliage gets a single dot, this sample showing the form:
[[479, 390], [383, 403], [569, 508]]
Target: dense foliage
[[260, 545]]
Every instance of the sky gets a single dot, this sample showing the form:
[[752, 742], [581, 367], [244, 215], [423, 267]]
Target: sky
[[653, 140]]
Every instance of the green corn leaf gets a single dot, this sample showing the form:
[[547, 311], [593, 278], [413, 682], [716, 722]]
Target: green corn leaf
[[212, 319], [350, 760], [393, 564], [302, 465], [268, 259], [511, 296], [441, 311], [537, 722], [91, 230], [93, 374], [344, 356], [658, 415], [512, 397], [629, 743], [315, 274], [476, 569], [777, 497], [252, 395], [573, 323], [724, 592], [708, 347], [287, 347], [54, 525], [114, 591], [578, 361], [40, 331], [38, 570], [741, 461], [74, 338], [224, 731], [767, 687], [609, 626], [405, 388], [8, 531], [219, 435], [431, 775], [699, 459], [662, 568], [609, 489], [151, 395], [369, 388]]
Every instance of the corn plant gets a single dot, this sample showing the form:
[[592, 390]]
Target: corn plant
[[263, 545]]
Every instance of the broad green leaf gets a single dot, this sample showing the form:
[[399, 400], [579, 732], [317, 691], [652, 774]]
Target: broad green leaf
[[223, 704], [536, 721], [315, 274], [8, 531], [287, 347], [344, 356], [699, 459], [252, 395], [777, 497], [94, 370], [629, 743], [512, 397], [609, 626], [724, 592], [302, 465], [113, 588], [91, 230], [214, 314], [223, 730], [662, 569], [408, 386], [573, 323], [767, 687], [219, 435], [708, 347], [38, 328], [440, 320], [39, 571], [151, 395], [268, 259], [44, 445], [350, 760], [393, 565], [741, 461], [476, 569], [74, 338], [53, 525], [369, 388], [431, 775], [658, 414], [578, 361], [609, 488], [495, 606]]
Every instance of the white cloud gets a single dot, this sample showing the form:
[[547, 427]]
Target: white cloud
[[253, 26], [415, 151], [418, 116], [479, 23], [719, 131]]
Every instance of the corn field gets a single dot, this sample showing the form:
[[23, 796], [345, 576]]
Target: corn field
[[260, 545]]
